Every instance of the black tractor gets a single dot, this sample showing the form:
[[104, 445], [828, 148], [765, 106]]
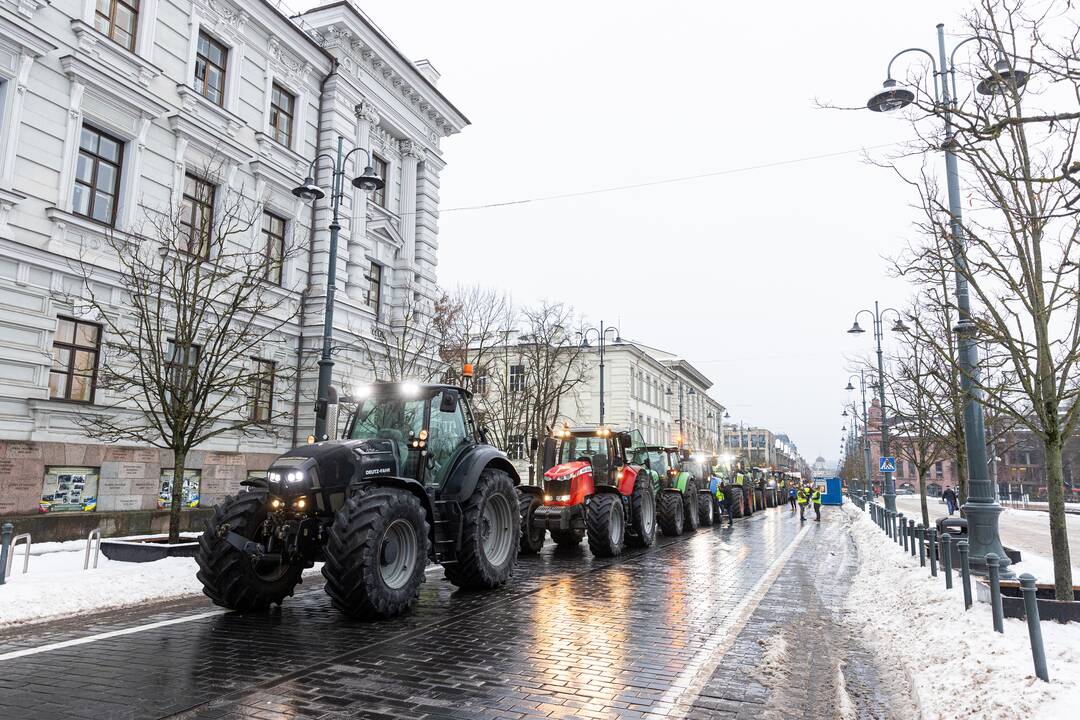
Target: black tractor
[[412, 481]]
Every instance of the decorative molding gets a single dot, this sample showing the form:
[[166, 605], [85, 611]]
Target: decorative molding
[[366, 111], [286, 64], [27, 8], [222, 17], [194, 104], [8, 200], [413, 149], [98, 48]]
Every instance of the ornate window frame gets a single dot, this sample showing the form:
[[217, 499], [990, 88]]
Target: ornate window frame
[[227, 25], [137, 64]]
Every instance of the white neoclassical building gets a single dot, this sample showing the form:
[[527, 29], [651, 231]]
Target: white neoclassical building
[[111, 107]]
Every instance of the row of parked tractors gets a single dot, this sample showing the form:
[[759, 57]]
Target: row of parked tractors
[[414, 481]]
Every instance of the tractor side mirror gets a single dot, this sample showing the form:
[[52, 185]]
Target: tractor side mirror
[[448, 403], [549, 453]]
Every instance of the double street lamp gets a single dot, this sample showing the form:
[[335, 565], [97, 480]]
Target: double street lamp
[[981, 507], [866, 429], [878, 318], [368, 180], [669, 393], [601, 335]]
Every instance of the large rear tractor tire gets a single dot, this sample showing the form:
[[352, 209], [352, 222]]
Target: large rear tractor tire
[[532, 539], [491, 528], [670, 513], [690, 506], [770, 498], [376, 553], [229, 578], [706, 512], [738, 508], [566, 539], [605, 523], [643, 508]]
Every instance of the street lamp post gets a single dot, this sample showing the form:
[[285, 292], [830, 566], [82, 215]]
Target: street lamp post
[[368, 180], [691, 391], [981, 507], [601, 334], [866, 429], [878, 315]]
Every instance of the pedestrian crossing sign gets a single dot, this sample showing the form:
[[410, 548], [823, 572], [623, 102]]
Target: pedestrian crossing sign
[[887, 465]]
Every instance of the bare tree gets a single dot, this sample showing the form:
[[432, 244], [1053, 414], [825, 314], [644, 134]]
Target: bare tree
[[1021, 233], [185, 341], [407, 345]]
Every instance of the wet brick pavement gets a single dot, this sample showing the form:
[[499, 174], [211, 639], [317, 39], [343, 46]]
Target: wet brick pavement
[[722, 623]]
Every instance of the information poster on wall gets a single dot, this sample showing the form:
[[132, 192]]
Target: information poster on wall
[[190, 498], [69, 489]]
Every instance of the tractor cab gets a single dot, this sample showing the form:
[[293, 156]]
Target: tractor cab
[[582, 458]]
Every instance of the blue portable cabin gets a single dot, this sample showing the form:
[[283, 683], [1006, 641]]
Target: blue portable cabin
[[832, 494]]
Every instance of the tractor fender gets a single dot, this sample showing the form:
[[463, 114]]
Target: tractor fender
[[530, 490], [609, 489], [466, 473], [681, 481]]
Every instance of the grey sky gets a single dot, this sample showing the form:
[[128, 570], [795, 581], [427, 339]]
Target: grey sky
[[754, 276]]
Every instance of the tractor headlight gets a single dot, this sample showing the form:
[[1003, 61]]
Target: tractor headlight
[[562, 498], [274, 477], [294, 476], [277, 503]]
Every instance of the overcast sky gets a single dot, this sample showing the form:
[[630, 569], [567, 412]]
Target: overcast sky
[[754, 275]]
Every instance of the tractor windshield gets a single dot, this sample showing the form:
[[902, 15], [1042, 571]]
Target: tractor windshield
[[391, 418], [582, 448]]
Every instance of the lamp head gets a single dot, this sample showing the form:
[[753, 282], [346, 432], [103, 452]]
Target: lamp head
[[844, 414], [1003, 79], [309, 190], [849, 387], [900, 326], [856, 329], [369, 180], [892, 97]]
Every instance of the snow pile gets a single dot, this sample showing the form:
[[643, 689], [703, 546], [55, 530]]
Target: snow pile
[[958, 666], [56, 585]]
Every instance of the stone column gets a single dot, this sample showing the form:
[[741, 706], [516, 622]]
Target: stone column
[[411, 156], [355, 285]]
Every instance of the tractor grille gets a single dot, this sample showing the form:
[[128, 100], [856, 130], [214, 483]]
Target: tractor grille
[[560, 486]]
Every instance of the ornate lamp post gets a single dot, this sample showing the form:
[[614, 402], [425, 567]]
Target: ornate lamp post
[[601, 334], [981, 508], [669, 393], [878, 316], [368, 180], [866, 429]]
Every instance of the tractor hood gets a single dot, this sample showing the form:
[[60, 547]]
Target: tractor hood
[[568, 470]]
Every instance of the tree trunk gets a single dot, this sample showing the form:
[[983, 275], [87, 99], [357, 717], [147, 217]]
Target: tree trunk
[[1059, 537], [922, 499], [177, 495], [961, 469]]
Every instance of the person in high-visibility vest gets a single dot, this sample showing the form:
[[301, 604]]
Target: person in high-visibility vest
[[815, 497], [803, 498], [723, 500]]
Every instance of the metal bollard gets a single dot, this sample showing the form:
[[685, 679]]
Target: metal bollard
[[911, 535], [922, 547], [5, 548], [26, 552], [946, 558], [965, 572], [932, 549], [903, 531], [995, 592], [94, 534], [1031, 609]]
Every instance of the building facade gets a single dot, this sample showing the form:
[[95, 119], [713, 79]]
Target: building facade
[[110, 111]]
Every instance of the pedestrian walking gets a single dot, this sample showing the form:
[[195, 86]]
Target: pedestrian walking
[[792, 496], [815, 497], [803, 498], [950, 499]]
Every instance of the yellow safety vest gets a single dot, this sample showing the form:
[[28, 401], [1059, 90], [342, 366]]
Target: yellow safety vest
[[803, 496], [816, 497]]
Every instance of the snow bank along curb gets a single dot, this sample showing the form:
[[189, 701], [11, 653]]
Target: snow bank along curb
[[57, 586], [959, 667]]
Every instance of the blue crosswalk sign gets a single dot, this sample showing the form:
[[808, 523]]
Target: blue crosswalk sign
[[887, 465]]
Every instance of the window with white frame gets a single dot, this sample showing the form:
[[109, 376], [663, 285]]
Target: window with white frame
[[211, 65], [282, 114], [517, 378], [118, 21], [97, 176]]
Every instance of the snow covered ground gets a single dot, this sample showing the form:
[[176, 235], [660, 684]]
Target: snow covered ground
[[1026, 530], [958, 666], [56, 585]]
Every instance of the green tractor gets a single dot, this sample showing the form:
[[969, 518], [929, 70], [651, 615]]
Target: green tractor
[[680, 500], [413, 481]]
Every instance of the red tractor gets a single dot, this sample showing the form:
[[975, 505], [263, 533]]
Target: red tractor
[[590, 488]]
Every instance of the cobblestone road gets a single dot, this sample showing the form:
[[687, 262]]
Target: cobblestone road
[[739, 623]]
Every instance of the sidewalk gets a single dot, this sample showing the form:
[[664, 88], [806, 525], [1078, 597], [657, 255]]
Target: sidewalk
[[958, 666]]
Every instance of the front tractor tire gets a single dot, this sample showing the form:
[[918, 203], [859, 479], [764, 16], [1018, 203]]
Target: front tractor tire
[[705, 508], [228, 576], [376, 553], [643, 513], [690, 507], [738, 508], [605, 523], [670, 513], [532, 539], [490, 532]]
